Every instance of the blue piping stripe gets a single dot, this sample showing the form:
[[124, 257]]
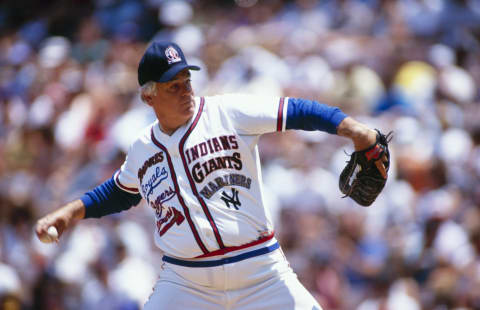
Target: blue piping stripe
[[223, 261]]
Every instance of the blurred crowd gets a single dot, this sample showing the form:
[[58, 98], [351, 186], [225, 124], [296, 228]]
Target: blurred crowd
[[69, 107]]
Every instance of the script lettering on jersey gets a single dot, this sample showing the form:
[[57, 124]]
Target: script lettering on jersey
[[172, 216], [202, 170], [165, 196], [155, 159], [227, 180], [157, 177], [211, 146]]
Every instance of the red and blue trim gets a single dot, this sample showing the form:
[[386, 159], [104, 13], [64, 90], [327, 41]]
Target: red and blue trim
[[222, 261], [280, 114], [236, 248]]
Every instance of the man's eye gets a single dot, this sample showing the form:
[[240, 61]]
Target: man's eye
[[173, 88]]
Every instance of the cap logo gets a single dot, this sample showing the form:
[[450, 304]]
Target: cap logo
[[172, 55]]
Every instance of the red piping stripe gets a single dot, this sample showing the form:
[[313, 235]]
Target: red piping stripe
[[131, 189], [280, 114], [236, 248], [180, 198], [190, 179]]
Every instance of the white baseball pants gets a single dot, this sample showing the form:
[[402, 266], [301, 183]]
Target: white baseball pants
[[264, 282]]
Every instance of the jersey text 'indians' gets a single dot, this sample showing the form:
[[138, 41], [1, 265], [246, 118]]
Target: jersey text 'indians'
[[211, 146]]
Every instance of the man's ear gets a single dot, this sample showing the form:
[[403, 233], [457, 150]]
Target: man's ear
[[147, 99]]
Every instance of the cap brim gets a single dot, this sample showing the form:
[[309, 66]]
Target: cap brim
[[173, 71]]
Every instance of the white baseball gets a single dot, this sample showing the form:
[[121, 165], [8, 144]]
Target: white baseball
[[51, 236], [52, 232]]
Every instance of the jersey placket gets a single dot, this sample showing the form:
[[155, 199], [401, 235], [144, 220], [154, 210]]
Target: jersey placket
[[204, 206]]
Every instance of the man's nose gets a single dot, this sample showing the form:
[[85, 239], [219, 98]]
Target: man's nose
[[187, 87]]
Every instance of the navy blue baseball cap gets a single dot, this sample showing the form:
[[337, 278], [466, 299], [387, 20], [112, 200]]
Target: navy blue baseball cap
[[161, 62]]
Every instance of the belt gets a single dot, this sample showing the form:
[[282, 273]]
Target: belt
[[222, 261]]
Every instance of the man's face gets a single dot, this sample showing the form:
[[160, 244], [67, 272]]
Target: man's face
[[174, 99]]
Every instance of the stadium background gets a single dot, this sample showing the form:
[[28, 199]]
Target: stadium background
[[69, 107]]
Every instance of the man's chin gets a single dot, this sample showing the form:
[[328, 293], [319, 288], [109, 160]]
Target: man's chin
[[190, 110]]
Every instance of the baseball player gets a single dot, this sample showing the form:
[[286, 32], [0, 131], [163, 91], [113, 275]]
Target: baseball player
[[197, 166]]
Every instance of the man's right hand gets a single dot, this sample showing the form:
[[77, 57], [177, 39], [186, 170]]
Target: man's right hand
[[62, 219], [50, 220]]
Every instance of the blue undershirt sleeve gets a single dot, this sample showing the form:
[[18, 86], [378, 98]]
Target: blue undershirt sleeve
[[108, 198], [310, 115]]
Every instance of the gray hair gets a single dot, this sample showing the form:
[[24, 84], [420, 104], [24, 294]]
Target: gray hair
[[148, 89]]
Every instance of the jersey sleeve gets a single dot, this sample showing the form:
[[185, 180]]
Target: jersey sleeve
[[108, 198], [125, 178], [310, 115], [255, 115]]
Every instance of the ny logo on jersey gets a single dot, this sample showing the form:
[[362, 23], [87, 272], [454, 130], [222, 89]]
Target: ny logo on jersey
[[233, 199]]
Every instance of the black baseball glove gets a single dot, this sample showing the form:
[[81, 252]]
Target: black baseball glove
[[360, 179]]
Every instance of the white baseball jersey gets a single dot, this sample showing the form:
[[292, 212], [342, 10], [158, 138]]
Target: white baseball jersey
[[204, 181]]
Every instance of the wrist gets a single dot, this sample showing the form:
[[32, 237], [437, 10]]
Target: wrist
[[361, 136], [71, 213]]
